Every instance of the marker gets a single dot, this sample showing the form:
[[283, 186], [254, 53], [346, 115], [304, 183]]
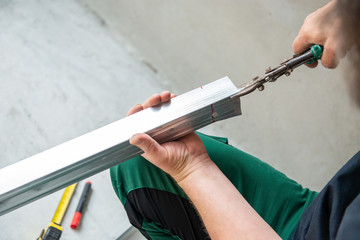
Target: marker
[[80, 208]]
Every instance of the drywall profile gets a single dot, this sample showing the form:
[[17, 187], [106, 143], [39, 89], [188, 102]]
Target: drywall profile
[[72, 161]]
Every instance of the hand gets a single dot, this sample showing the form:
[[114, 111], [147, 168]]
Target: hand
[[178, 158], [218, 202], [331, 26]]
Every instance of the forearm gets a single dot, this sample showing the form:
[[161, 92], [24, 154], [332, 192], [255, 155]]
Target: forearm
[[226, 214]]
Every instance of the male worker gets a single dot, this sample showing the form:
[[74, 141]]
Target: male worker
[[212, 189]]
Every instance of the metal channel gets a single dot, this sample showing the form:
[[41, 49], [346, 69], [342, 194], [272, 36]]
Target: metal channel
[[128, 233], [72, 161]]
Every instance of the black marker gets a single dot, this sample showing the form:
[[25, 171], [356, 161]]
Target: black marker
[[80, 208]]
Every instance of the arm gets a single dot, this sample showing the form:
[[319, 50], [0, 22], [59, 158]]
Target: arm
[[225, 213], [334, 26]]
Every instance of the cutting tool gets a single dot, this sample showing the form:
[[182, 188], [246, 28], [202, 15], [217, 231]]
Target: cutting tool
[[285, 68]]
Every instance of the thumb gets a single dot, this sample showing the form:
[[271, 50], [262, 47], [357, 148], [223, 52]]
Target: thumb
[[152, 150], [300, 44]]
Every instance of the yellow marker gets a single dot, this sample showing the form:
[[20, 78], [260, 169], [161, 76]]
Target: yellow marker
[[54, 229]]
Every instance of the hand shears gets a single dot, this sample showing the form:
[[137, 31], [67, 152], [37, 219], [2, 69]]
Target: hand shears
[[285, 68]]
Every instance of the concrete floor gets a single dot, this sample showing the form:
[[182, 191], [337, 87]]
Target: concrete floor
[[62, 75], [68, 68]]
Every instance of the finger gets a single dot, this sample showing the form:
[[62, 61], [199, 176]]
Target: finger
[[165, 96], [137, 108], [330, 56], [312, 65], [152, 101], [152, 150], [173, 95], [301, 44]]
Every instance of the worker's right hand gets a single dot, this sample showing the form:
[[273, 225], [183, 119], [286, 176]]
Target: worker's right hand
[[178, 158], [332, 27]]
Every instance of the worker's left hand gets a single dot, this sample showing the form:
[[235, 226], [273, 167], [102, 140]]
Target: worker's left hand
[[178, 158]]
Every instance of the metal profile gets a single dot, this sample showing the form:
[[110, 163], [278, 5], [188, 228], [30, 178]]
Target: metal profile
[[72, 161]]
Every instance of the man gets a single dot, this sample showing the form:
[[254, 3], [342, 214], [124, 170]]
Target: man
[[236, 196]]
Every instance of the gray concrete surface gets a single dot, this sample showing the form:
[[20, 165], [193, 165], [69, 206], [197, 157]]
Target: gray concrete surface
[[62, 75], [304, 125]]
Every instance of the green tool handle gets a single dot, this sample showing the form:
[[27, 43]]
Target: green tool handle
[[316, 51], [308, 57]]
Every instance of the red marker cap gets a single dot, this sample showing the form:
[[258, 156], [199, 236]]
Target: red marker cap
[[76, 220]]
